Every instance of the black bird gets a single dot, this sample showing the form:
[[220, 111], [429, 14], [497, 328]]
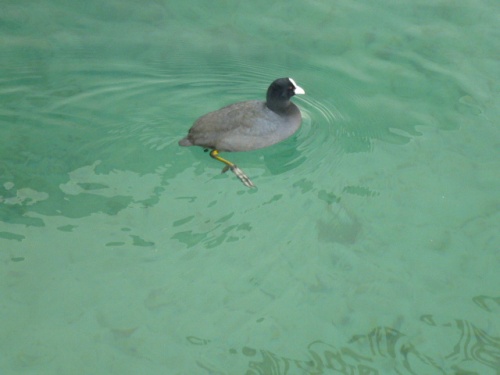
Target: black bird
[[248, 125]]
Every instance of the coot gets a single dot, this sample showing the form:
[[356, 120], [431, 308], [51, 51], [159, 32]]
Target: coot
[[248, 125]]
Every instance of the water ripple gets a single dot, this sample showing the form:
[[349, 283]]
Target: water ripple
[[123, 114]]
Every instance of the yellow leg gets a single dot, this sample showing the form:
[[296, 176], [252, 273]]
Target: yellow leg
[[237, 171]]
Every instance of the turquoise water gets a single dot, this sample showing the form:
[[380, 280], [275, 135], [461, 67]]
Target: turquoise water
[[371, 245]]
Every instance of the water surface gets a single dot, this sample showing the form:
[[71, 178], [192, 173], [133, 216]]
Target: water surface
[[369, 247]]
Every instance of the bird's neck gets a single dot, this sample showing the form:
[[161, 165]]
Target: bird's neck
[[278, 105]]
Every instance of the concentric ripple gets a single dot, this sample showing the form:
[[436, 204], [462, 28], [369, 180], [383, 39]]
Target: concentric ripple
[[130, 115]]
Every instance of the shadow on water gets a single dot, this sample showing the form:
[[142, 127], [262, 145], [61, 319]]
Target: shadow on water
[[380, 351]]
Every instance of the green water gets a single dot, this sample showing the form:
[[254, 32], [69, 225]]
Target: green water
[[371, 245]]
